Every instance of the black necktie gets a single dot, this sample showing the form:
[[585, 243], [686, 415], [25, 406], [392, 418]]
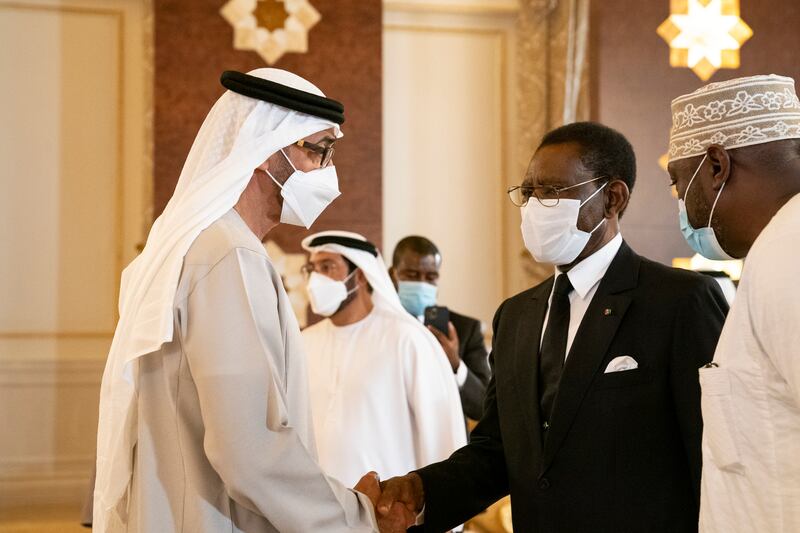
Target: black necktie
[[554, 347]]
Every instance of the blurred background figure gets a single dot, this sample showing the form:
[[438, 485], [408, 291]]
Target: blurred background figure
[[382, 394], [415, 273]]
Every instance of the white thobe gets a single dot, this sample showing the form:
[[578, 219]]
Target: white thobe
[[225, 441], [751, 401], [383, 397]]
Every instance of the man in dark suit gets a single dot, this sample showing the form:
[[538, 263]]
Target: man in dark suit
[[592, 417], [415, 272]]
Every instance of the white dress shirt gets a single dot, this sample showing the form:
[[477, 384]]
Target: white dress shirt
[[461, 372], [585, 278]]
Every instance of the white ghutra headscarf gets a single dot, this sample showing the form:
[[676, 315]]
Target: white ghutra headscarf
[[237, 136], [384, 295]]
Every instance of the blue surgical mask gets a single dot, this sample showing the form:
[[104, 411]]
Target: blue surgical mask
[[703, 240], [416, 296]]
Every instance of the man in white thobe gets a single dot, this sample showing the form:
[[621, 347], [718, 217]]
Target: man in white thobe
[[383, 397], [204, 418], [735, 159]]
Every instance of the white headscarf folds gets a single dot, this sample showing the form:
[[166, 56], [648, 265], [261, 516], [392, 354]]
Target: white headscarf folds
[[237, 136]]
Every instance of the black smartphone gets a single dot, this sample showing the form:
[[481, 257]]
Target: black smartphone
[[438, 317]]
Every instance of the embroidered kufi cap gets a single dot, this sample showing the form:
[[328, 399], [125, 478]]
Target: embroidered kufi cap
[[735, 113]]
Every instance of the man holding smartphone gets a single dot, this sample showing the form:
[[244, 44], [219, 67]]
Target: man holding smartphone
[[383, 397], [415, 273]]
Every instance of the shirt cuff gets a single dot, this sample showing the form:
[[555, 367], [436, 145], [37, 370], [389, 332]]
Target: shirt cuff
[[420, 517], [461, 374]]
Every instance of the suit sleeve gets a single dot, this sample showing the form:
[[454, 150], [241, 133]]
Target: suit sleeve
[[476, 360], [698, 326], [473, 477], [234, 348]]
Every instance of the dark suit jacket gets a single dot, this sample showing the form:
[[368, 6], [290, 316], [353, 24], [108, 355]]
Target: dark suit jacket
[[473, 353], [623, 450]]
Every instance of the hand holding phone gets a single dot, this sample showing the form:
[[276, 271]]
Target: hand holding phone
[[438, 317]]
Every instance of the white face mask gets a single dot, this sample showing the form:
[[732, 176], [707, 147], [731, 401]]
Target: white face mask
[[325, 294], [307, 194], [551, 234]]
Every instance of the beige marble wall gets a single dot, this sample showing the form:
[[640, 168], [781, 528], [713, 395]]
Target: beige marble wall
[[76, 184]]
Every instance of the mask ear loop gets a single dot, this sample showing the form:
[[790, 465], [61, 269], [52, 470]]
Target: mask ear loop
[[711, 214], [593, 194], [714, 206], [289, 160], [686, 192], [600, 224], [290, 164], [345, 280], [273, 178], [590, 197]]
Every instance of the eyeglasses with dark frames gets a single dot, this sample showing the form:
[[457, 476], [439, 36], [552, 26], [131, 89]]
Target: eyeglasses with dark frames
[[326, 152]]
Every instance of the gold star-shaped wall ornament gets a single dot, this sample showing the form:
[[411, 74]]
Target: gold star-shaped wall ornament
[[270, 27], [704, 35]]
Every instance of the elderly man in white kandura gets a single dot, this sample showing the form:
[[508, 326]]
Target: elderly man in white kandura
[[204, 413]]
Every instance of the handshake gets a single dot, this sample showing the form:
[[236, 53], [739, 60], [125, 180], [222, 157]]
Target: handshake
[[397, 501]]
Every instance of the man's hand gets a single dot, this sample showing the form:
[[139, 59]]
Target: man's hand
[[397, 518], [370, 486], [405, 490], [449, 344]]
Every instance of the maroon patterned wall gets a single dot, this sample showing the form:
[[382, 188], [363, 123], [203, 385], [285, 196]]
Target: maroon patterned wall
[[633, 84], [194, 45]]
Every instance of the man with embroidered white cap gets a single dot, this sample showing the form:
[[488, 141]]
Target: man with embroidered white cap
[[735, 160], [383, 396], [204, 414]]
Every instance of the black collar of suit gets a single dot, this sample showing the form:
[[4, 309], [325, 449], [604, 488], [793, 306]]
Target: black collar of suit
[[622, 275]]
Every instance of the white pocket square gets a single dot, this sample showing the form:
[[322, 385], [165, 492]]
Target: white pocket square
[[622, 363]]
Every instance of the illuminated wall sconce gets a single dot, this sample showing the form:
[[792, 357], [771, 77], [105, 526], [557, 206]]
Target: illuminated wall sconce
[[663, 162], [704, 35], [697, 262], [725, 273], [270, 27]]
